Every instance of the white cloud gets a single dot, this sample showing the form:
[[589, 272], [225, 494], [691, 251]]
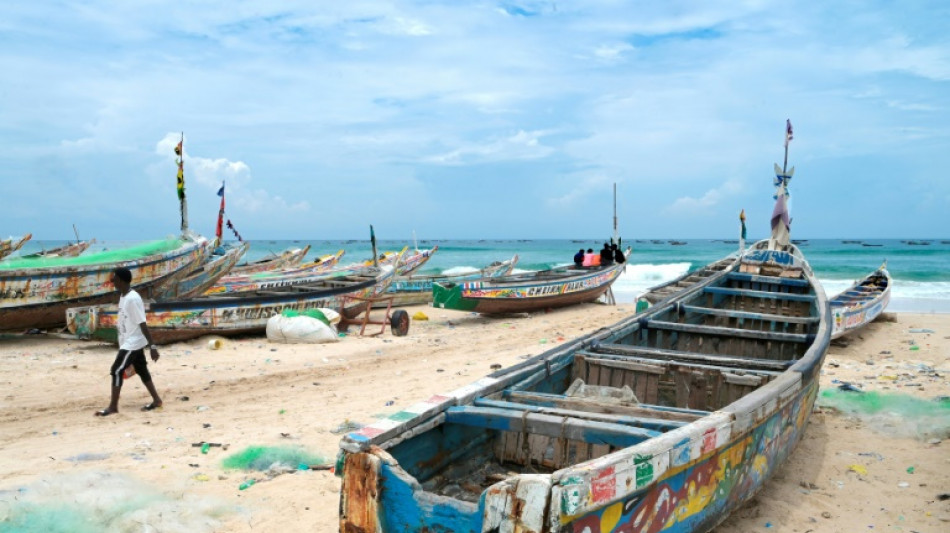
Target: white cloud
[[705, 204], [520, 146]]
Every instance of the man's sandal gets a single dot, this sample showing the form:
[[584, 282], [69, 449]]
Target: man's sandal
[[105, 412], [151, 407]]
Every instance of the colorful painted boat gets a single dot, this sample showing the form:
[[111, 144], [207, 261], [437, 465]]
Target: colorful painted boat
[[861, 303], [665, 421], [410, 262], [530, 291], [417, 289], [66, 250], [206, 275], [245, 313], [12, 244], [286, 259], [35, 292], [311, 272]]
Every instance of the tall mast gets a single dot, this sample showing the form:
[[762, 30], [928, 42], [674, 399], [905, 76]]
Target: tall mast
[[616, 237], [180, 152]]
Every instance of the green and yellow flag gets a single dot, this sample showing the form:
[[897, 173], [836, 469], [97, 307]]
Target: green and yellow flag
[[181, 171]]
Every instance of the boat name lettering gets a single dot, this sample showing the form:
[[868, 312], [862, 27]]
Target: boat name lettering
[[254, 313]]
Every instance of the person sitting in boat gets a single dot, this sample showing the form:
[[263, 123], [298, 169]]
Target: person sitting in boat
[[579, 258], [589, 258], [606, 255], [618, 254]]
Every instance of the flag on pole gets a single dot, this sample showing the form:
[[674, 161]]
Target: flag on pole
[[742, 220], [218, 231], [181, 170], [788, 132]]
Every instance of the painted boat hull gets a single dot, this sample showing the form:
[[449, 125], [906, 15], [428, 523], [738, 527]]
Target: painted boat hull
[[272, 279], [711, 428], [12, 244], [521, 293], [67, 250], [416, 290], [860, 304], [39, 297], [286, 259], [208, 274], [178, 320]]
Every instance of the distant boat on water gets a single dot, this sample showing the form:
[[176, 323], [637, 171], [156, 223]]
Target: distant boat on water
[[66, 250], [12, 244]]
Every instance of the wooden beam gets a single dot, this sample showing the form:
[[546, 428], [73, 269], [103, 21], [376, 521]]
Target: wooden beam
[[655, 424], [775, 280], [728, 332], [761, 294], [732, 313], [677, 356], [588, 431], [641, 410]]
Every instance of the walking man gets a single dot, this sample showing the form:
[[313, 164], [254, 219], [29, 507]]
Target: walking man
[[133, 338]]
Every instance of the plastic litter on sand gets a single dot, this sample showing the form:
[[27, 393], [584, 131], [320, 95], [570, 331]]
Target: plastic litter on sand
[[262, 458]]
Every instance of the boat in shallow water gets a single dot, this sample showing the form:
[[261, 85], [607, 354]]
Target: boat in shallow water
[[665, 421], [286, 259], [66, 250], [861, 303]]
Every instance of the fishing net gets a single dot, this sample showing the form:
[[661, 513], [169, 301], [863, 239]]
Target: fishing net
[[893, 413], [106, 256], [91, 501], [262, 458]]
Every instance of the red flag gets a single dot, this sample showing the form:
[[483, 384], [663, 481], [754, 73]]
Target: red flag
[[217, 231]]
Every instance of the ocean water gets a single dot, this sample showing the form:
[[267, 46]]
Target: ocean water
[[920, 267]]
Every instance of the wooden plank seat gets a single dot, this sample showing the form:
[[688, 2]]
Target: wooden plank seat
[[749, 293], [560, 401], [589, 431], [654, 424], [728, 332], [726, 362], [749, 315], [774, 280]]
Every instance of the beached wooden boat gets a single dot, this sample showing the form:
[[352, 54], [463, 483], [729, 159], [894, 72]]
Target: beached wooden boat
[[665, 421], [410, 262], [316, 270], [12, 244], [286, 259], [205, 276], [244, 313], [861, 303], [66, 250], [35, 292], [416, 289], [530, 291]]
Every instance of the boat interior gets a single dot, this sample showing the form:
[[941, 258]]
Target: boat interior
[[634, 381], [869, 289]]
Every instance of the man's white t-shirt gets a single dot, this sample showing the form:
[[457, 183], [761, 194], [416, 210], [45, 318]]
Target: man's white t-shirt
[[131, 314]]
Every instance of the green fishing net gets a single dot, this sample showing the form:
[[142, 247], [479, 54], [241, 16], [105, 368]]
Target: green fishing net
[[893, 413], [107, 256], [261, 458]]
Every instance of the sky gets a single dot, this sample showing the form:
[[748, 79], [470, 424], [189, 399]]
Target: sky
[[466, 120]]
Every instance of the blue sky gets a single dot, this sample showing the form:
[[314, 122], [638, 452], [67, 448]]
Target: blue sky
[[474, 119]]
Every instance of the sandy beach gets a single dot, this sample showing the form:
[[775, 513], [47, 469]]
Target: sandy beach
[[138, 468]]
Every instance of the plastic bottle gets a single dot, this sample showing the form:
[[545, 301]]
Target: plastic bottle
[[205, 447], [246, 484]]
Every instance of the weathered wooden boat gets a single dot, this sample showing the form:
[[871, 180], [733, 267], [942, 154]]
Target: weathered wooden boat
[[66, 250], [12, 244], [286, 259], [416, 289], [861, 303], [529, 291], [205, 276], [35, 292], [322, 268], [665, 421], [410, 262], [227, 314]]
